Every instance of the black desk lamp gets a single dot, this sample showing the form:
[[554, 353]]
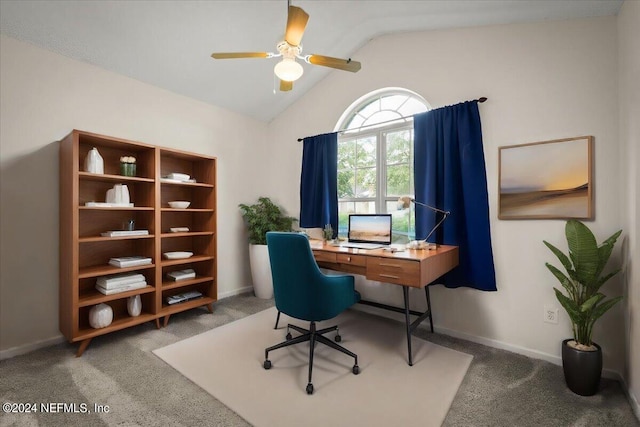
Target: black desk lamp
[[405, 202]]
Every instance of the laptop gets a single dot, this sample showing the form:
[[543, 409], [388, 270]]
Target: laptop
[[368, 231]]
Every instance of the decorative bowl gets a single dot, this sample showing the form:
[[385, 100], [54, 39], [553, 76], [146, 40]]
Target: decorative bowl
[[179, 204]]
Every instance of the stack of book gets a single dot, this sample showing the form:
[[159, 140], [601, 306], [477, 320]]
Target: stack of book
[[130, 261], [124, 233], [109, 285]]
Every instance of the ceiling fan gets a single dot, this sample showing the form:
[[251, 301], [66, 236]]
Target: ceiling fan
[[289, 70]]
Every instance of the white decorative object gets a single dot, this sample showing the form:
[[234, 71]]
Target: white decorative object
[[118, 195], [179, 204], [94, 163], [100, 316], [178, 255], [134, 305]]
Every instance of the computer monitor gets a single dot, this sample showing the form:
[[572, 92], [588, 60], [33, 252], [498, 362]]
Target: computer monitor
[[370, 228]]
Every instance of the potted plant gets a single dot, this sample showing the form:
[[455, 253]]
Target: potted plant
[[261, 217], [584, 303]]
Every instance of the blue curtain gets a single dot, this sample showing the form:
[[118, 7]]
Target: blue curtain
[[450, 175], [319, 182]]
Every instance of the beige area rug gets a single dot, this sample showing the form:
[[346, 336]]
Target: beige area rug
[[227, 363]]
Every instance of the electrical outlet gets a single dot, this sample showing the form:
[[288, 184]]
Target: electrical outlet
[[551, 314]]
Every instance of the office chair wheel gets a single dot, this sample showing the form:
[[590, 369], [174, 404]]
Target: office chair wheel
[[267, 364], [289, 336], [338, 338], [309, 388], [356, 369]]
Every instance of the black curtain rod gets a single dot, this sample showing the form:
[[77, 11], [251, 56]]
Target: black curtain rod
[[480, 100]]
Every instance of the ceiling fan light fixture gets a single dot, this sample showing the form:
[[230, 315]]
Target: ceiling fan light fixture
[[288, 70]]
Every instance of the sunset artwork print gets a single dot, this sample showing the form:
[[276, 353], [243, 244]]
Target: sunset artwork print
[[546, 180]]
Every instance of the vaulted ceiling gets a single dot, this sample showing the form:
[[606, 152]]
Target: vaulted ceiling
[[168, 43]]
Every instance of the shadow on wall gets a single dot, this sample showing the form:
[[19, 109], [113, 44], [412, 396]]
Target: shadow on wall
[[29, 194]]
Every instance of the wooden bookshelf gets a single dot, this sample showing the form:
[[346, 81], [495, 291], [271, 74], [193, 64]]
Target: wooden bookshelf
[[84, 253]]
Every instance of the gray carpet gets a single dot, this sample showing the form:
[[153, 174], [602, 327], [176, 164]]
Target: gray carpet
[[120, 370]]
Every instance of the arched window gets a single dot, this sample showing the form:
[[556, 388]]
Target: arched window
[[375, 157]]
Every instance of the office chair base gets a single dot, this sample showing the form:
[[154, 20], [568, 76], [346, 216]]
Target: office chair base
[[312, 335]]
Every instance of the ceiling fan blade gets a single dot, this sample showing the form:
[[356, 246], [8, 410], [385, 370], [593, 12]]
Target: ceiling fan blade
[[340, 64], [234, 55], [296, 23], [285, 86]]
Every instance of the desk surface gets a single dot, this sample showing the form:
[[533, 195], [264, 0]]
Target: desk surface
[[414, 268]]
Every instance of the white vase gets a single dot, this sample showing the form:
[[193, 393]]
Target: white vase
[[119, 194], [100, 316], [134, 305], [261, 271], [94, 163], [122, 193]]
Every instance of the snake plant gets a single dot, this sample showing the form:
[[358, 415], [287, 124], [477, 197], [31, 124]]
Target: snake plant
[[584, 265]]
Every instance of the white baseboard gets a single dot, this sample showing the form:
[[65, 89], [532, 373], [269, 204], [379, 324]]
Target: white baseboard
[[28, 348], [235, 292], [534, 354], [633, 400]]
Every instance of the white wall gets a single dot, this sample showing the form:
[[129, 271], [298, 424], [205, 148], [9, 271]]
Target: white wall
[[44, 97], [629, 104], [544, 81]]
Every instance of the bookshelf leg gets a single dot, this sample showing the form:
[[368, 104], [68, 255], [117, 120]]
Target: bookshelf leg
[[166, 320], [158, 323], [83, 346], [210, 307]]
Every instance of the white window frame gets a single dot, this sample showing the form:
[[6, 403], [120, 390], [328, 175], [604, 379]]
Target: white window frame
[[380, 131]]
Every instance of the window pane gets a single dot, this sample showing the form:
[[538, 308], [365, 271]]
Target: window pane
[[346, 154], [366, 182], [403, 223], [398, 147], [411, 107], [346, 184], [344, 209], [398, 180], [393, 102], [370, 108], [366, 152], [365, 207]]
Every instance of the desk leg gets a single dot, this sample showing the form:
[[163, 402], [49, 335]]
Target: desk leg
[[405, 292], [426, 291]]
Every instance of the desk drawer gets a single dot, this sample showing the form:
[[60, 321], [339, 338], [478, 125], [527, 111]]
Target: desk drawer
[[391, 270], [322, 256], [359, 260]]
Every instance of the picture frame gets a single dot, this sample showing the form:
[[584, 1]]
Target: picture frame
[[546, 180]]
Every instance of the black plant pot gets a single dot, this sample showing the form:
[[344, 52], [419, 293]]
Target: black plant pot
[[582, 369]]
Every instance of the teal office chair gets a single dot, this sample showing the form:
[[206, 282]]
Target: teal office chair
[[303, 292]]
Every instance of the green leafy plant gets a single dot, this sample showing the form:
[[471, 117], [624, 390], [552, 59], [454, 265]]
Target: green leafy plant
[[583, 301], [327, 232], [265, 216]]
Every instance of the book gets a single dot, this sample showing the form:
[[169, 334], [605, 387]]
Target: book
[[187, 296], [119, 280], [120, 233], [129, 287], [129, 261], [108, 205], [189, 273], [179, 229]]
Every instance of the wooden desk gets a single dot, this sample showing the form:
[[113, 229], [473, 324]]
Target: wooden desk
[[409, 269]]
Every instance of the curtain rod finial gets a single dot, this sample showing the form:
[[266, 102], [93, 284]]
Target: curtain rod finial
[[482, 99]]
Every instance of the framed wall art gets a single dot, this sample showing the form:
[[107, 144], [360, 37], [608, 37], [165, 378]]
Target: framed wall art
[[546, 180]]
